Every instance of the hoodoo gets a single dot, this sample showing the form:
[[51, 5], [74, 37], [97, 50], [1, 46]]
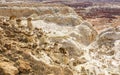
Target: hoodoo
[[19, 21], [29, 24], [12, 20]]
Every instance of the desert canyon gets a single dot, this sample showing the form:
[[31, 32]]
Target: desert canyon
[[59, 37]]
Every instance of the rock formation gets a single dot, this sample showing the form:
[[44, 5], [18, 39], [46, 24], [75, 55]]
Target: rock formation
[[29, 24], [19, 22], [19, 45], [52, 14]]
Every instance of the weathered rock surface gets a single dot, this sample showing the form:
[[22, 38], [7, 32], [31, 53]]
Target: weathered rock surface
[[24, 67], [104, 52], [108, 37], [33, 54], [7, 68]]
